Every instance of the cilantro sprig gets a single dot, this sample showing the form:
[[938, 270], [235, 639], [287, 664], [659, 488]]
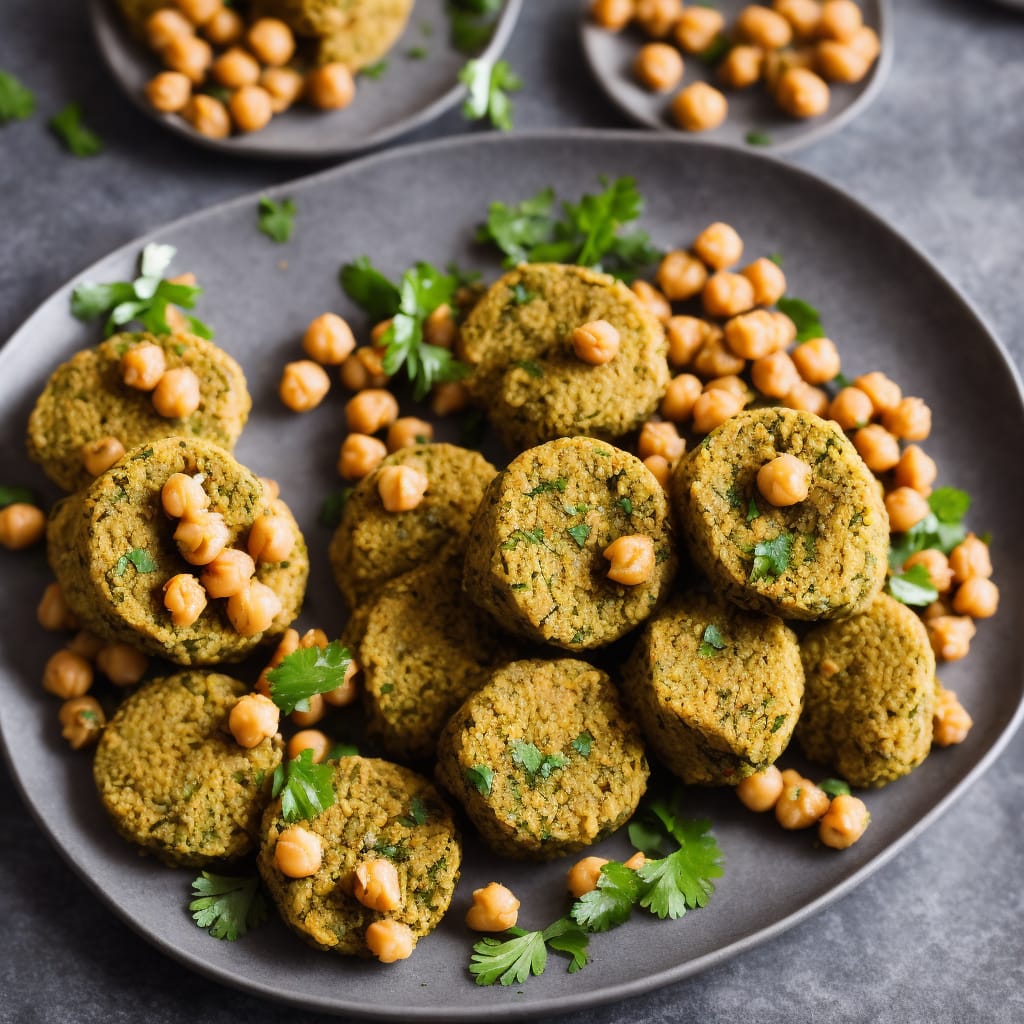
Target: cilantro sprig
[[69, 127], [535, 765], [521, 953], [17, 103], [144, 300], [227, 907], [308, 671], [771, 557], [489, 85], [305, 788], [277, 219], [611, 903], [140, 558]]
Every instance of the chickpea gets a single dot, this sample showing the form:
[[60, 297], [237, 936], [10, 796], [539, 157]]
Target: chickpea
[[916, 469], [656, 303], [315, 713], [660, 439], [376, 885], [713, 408], [752, 335], [253, 609], [760, 791], [950, 636], [697, 28], [401, 488], [408, 431], [977, 597], [877, 447], [98, 456], [719, 246], [309, 739], [636, 862], [801, 802], [284, 85], [844, 822], [271, 488], [764, 27], [727, 294], [583, 875], [363, 369], [440, 328], [840, 62], [371, 410], [313, 638], [67, 675], [21, 526], [906, 508], [807, 398], [168, 92], [390, 940], [82, 721], [803, 16], [817, 360], [288, 643], [189, 55], [910, 419], [775, 375], [177, 394], [378, 332], [631, 559], [741, 67], [360, 455], [271, 539], [936, 564], [865, 41], [271, 40], [202, 537], [304, 385], [884, 393], [143, 366], [699, 107], [85, 644], [680, 395], [768, 280], [731, 383], [936, 609], [596, 342], [53, 612], [344, 694], [970, 559], [660, 469], [165, 25], [685, 336], [209, 117], [658, 67], [714, 358], [784, 481], [122, 664], [851, 408], [950, 721], [656, 17], [198, 11], [224, 27], [228, 573], [613, 15], [495, 908], [330, 87], [802, 93], [298, 853], [681, 276], [235, 67], [184, 598], [183, 495], [251, 108], [840, 19]]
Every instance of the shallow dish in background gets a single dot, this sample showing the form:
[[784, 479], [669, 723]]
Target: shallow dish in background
[[752, 113], [886, 306], [411, 93]]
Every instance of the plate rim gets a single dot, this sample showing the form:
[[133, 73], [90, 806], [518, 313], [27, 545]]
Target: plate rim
[[619, 991]]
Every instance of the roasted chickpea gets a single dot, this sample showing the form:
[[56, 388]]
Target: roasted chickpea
[[67, 675], [177, 394], [916, 469], [53, 612], [304, 385], [970, 559], [376, 885], [165, 25], [440, 328], [656, 303], [378, 331], [741, 67], [977, 597], [840, 62], [390, 940], [801, 802], [201, 537], [727, 294], [198, 11], [906, 508], [183, 495], [803, 16], [82, 721], [631, 559], [658, 67], [877, 447], [189, 55], [251, 108], [314, 713], [224, 27], [807, 398], [85, 644], [768, 280], [760, 791], [714, 359], [448, 398], [583, 875], [866, 42], [719, 246], [168, 92], [817, 360], [844, 822], [122, 664], [283, 85], [99, 455], [184, 598], [596, 342], [697, 28], [344, 694], [936, 564], [680, 395], [407, 431], [752, 335], [363, 369], [950, 635], [731, 383], [228, 573], [253, 609], [685, 336], [660, 439], [660, 469], [840, 19], [764, 27], [371, 410], [851, 408], [21, 526], [910, 419], [360, 455], [143, 366], [271, 539], [950, 721], [884, 393], [713, 408], [775, 375], [401, 488], [784, 481], [209, 117], [656, 17], [312, 740], [298, 853], [802, 93], [613, 15], [235, 67], [495, 908], [330, 87], [636, 862], [271, 40], [681, 276], [699, 107]]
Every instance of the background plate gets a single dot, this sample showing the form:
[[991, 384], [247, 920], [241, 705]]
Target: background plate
[[611, 57], [884, 303], [409, 94]]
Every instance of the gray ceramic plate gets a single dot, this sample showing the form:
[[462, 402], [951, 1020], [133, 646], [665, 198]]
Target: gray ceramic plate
[[886, 305], [611, 57], [410, 93]]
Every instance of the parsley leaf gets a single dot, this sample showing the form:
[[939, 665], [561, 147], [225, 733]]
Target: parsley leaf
[[369, 289], [489, 85], [375, 71], [480, 777], [804, 315], [771, 557], [711, 642], [139, 557], [417, 815], [77, 138], [523, 953], [558, 484], [227, 907], [307, 671], [834, 787], [516, 230], [682, 880], [537, 767], [949, 504], [305, 788], [913, 587], [579, 533], [717, 49], [15, 495], [583, 743], [753, 512], [758, 139], [472, 23], [942, 528], [16, 102], [611, 903], [277, 220]]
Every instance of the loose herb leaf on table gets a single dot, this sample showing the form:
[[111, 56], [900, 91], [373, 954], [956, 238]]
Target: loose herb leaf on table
[[72, 131], [17, 103], [489, 85], [513, 958], [227, 907], [277, 219]]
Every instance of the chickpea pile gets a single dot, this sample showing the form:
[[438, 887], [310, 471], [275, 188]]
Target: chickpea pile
[[795, 47], [206, 43]]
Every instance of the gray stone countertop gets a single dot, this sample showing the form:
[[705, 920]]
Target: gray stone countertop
[[937, 934]]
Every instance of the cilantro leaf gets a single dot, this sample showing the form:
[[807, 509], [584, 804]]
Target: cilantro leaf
[[949, 504], [913, 587], [342, 750], [77, 138], [480, 777], [942, 528], [417, 815], [583, 743], [682, 880], [139, 557], [375, 70], [579, 533], [717, 49], [516, 230], [804, 315], [489, 85], [536, 766], [565, 936], [15, 495], [753, 512], [611, 903], [305, 788], [308, 671], [711, 642], [524, 953], [771, 557], [16, 101], [277, 219], [834, 787], [227, 907], [369, 289]]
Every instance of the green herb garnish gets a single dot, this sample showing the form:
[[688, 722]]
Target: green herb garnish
[[139, 557], [489, 85], [480, 777], [559, 484], [523, 953], [529, 536], [753, 512], [758, 139], [806, 318], [771, 557], [308, 671], [942, 528], [340, 750], [583, 743], [17, 103], [277, 219], [375, 70], [77, 138], [834, 787], [579, 533], [711, 643], [15, 496], [417, 53], [227, 907], [472, 23], [417, 815], [913, 587], [719, 47], [533, 763], [305, 788], [332, 507], [611, 903], [520, 295]]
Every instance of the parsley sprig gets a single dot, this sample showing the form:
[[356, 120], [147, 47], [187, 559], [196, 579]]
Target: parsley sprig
[[513, 959], [489, 85], [943, 528], [144, 300], [305, 788], [277, 219], [17, 103], [308, 671], [69, 127], [227, 907]]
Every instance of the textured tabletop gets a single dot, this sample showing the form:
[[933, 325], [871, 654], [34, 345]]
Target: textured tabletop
[[937, 934]]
